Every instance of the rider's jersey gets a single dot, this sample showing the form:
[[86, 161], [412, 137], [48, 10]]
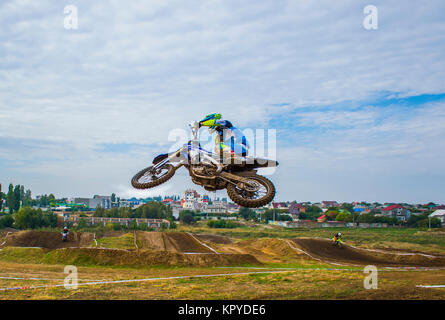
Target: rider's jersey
[[230, 138]]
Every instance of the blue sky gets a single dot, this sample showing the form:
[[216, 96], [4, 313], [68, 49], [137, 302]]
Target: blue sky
[[359, 113]]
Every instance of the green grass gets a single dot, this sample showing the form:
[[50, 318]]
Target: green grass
[[22, 255], [126, 241], [357, 235]]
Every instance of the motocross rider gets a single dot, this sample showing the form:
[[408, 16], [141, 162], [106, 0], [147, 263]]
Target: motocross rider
[[337, 236], [229, 139]]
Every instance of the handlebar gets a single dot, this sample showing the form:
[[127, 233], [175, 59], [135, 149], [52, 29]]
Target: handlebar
[[194, 126]]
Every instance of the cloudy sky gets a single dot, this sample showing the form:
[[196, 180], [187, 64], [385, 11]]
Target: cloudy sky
[[359, 114]]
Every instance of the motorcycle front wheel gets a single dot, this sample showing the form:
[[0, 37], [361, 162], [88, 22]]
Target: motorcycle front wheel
[[150, 177], [253, 199]]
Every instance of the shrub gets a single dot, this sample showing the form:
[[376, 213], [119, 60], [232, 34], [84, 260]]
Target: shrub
[[222, 224], [28, 218], [6, 221]]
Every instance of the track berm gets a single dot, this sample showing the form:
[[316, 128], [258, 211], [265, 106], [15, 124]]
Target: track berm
[[183, 249]]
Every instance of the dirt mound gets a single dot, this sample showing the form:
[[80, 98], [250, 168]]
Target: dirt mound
[[265, 250], [49, 240], [106, 257], [214, 238], [170, 241], [324, 250]]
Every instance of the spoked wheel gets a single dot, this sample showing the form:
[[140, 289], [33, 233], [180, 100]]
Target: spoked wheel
[[258, 192], [150, 177]]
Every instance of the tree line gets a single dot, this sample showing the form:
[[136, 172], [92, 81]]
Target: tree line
[[151, 210], [18, 197], [28, 218]]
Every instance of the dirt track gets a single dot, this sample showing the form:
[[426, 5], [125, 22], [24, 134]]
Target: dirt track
[[170, 241], [173, 248], [324, 250], [214, 238], [49, 240], [112, 257]]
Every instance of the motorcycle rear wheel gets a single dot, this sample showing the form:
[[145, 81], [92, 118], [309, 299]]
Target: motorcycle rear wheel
[[247, 199], [147, 178]]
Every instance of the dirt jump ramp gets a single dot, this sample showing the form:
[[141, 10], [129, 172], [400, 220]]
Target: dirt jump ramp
[[323, 249], [107, 257], [179, 242], [49, 240], [214, 238]]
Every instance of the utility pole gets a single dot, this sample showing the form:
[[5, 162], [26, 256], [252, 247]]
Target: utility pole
[[429, 221]]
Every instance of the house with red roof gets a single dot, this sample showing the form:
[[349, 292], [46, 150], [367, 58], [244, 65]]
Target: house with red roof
[[397, 211], [322, 218], [279, 205], [327, 204]]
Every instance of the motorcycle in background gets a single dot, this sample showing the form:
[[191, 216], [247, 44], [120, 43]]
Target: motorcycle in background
[[337, 242]]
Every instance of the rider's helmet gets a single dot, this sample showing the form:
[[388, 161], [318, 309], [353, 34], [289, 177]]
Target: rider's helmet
[[339, 234], [65, 228], [210, 120]]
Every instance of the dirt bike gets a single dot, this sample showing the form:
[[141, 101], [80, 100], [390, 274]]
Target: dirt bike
[[237, 174], [64, 236], [337, 242]]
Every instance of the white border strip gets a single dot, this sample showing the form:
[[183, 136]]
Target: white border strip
[[6, 237], [95, 239], [398, 252], [49, 279], [134, 238], [433, 286]]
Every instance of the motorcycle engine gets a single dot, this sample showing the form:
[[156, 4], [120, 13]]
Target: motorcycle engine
[[204, 170]]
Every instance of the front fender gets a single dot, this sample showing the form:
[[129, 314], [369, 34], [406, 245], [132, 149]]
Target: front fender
[[159, 158]]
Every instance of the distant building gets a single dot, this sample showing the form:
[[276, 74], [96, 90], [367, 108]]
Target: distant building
[[96, 201], [440, 214], [151, 223], [191, 199], [327, 204], [209, 209], [295, 209], [397, 211], [168, 201], [278, 205], [176, 209]]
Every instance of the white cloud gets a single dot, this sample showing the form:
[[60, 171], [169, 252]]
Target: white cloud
[[133, 71]]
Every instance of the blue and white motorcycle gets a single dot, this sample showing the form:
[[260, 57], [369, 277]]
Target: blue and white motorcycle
[[235, 173]]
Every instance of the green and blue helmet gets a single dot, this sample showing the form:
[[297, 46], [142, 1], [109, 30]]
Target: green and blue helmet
[[210, 120]]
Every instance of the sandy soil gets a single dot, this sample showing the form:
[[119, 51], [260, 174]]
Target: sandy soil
[[49, 240]]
